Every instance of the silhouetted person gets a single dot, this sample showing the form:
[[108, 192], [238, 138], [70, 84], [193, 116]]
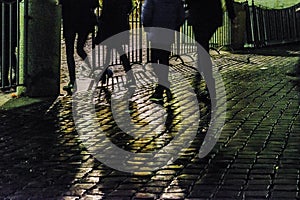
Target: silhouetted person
[[167, 14], [205, 18], [114, 19], [78, 20], [10, 42]]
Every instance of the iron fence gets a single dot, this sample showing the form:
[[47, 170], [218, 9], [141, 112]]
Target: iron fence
[[272, 26], [263, 27], [139, 46], [9, 34]]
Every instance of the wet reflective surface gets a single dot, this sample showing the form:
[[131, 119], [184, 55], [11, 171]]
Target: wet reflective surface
[[256, 156]]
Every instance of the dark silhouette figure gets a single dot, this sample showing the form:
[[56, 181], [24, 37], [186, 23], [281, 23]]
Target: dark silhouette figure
[[8, 33], [169, 15], [78, 20], [205, 17], [114, 19]]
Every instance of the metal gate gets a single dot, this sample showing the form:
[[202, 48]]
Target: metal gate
[[9, 34]]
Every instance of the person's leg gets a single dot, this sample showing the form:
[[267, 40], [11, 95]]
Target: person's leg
[[81, 41], [124, 58], [106, 71], [154, 57], [158, 93], [126, 64], [164, 75], [203, 35], [163, 71], [160, 63], [70, 36]]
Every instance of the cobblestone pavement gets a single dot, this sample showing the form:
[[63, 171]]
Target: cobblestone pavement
[[256, 156]]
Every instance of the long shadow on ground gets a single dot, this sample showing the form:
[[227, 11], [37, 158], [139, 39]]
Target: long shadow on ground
[[39, 160]]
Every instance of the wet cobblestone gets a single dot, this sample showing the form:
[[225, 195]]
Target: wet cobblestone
[[256, 156]]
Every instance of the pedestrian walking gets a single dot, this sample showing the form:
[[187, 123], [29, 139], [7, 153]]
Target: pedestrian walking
[[114, 19], [79, 20], [205, 17], [161, 18]]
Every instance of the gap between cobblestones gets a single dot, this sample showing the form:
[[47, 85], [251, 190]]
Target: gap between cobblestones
[[257, 155]]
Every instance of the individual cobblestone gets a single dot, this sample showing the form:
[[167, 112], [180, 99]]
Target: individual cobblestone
[[256, 156]]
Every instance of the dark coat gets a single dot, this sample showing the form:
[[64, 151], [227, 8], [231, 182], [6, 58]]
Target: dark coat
[[208, 12], [163, 13], [167, 14], [79, 14], [114, 18]]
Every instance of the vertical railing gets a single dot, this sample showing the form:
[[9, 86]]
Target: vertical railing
[[222, 36], [139, 47], [272, 26], [263, 27], [9, 34], [134, 48]]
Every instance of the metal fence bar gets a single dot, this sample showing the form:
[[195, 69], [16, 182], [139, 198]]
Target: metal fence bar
[[9, 64], [3, 47], [139, 47], [263, 27], [272, 26]]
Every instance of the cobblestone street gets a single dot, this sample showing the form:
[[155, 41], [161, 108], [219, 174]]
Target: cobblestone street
[[256, 155]]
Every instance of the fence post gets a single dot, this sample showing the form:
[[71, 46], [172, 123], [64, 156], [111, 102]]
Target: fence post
[[41, 47], [21, 47], [238, 36]]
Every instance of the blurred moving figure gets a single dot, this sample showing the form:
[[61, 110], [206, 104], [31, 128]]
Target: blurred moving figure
[[170, 15], [205, 18], [79, 20]]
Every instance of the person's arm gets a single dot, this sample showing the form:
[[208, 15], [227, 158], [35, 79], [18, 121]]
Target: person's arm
[[147, 11]]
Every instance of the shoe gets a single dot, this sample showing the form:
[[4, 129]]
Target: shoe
[[157, 96], [169, 94], [69, 88], [131, 82], [106, 75]]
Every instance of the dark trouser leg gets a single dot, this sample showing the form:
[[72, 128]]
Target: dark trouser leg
[[203, 36], [160, 63], [124, 59], [81, 40], [126, 64], [160, 60], [70, 36]]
